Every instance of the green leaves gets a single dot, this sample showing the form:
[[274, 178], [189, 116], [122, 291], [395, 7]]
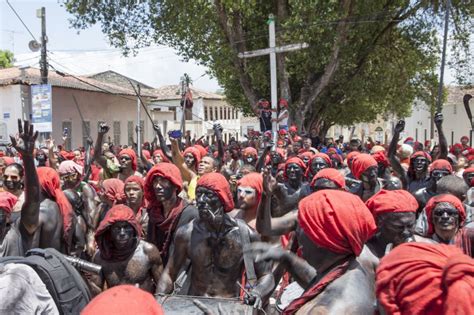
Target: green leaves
[[6, 59]]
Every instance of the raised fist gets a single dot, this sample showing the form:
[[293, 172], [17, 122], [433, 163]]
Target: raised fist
[[438, 119], [103, 128], [400, 126]]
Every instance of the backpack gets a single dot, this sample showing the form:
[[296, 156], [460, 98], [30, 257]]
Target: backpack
[[66, 286]]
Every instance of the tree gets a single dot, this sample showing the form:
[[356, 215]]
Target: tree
[[365, 57], [6, 59]]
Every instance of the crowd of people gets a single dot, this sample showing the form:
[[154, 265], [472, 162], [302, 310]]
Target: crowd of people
[[296, 224]]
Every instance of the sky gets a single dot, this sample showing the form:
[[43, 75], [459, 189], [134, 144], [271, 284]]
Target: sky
[[88, 51]]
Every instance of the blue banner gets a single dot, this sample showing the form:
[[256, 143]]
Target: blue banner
[[41, 107]]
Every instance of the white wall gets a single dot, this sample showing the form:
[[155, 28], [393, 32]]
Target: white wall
[[10, 105]]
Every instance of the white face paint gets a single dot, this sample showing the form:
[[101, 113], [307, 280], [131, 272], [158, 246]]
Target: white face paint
[[246, 197]]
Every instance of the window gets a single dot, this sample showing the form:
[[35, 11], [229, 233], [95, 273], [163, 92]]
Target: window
[[130, 132], [86, 130], [211, 110], [117, 132], [221, 113], [205, 112], [225, 113], [68, 125], [455, 109]]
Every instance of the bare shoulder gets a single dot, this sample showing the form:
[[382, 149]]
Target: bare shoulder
[[422, 239], [184, 231], [150, 250]]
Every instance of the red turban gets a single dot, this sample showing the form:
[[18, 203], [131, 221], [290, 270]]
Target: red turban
[[336, 220], [166, 170], [421, 278], [331, 174], [351, 156], [323, 156], [295, 160], [443, 198], [422, 154], [161, 154], [456, 146], [113, 190], [409, 139], [441, 164], [249, 151], [217, 183], [135, 179], [132, 155], [282, 132], [464, 138], [381, 158], [255, 181], [293, 128], [195, 153], [117, 213], [202, 150], [123, 300], [8, 160], [361, 163], [7, 201], [50, 185], [307, 154], [390, 201]]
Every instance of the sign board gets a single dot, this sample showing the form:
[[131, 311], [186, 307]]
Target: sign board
[[41, 107], [6, 115]]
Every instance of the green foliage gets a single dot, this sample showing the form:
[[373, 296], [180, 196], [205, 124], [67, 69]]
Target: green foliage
[[388, 57], [6, 59]]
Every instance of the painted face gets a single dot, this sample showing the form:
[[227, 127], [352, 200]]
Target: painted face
[[4, 220], [12, 179], [70, 180], [396, 228], [420, 164], [294, 172], [370, 176], [306, 159], [164, 189], [41, 157], [275, 158], [469, 178], [206, 165], [438, 174], [324, 183], [445, 218], [125, 161], [189, 160], [318, 164], [246, 197], [123, 235], [209, 206], [134, 193], [296, 147]]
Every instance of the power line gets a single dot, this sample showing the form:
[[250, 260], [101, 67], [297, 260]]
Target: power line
[[18, 16]]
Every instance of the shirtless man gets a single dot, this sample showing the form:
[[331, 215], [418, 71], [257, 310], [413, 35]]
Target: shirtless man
[[364, 168], [12, 233], [214, 244], [318, 162], [332, 229], [249, 194], [438, 169], [128, 164], [287, 195], [135, 199], [124, 257]]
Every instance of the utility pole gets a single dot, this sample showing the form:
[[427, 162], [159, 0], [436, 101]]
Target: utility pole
[[184, 90], [41, 13], [272, 51], [139, 126]]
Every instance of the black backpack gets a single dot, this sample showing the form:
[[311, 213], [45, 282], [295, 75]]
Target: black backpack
[[63, 281]]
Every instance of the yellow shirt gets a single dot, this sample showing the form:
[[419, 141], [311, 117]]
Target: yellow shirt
[[192, 188]]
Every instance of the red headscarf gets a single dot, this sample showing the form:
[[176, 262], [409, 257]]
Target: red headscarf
[[361, 163], [331, 174], [293, 128], [123, 300], [390, 201], [161, 154], [202, 150], [323, 156], [50, 185], [7, 201], [336, 220], [381, 158], [422, 154], [117, 213], [166, 170], [132, 155], [146, 154], [255, 181], [421, 278], [295, 160], [307, 154], [443, 198], [351, 156], [113, 190], [195, 153], [441, 164], [217, 183], [249, 151]]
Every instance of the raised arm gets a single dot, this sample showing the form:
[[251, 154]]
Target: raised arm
[[261, 160], [164, 148], [443, 144], [30, 210], [88, 160], [178, 160], [98, 154], [220, 144], [53, 161], [392, 149]]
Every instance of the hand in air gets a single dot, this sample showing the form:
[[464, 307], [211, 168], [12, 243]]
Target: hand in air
[[24, 141]]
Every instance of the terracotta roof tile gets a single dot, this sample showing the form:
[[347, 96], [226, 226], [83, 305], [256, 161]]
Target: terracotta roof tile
[[172, 92]]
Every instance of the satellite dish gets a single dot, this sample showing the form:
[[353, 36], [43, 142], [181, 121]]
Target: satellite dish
[[34, 45]]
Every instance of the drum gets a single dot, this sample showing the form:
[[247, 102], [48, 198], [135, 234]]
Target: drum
[[185, 304], [290, 293]]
